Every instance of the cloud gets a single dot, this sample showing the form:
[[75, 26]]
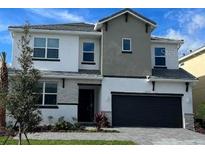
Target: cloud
[[57, 14], [189, 20], [197, 22], [189, 26], [190, 42]]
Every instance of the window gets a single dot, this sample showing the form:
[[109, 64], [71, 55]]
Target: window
[[88, 51], [126, 45], [160, 57], [47, 93], [46, 48]]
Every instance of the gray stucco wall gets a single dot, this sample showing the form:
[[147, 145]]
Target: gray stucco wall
[[69, 94], [115, 62]]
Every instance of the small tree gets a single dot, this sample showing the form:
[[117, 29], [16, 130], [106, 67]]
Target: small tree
[[3, 89], [22, 100]]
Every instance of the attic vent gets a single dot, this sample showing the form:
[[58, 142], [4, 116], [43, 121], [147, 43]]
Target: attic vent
[[106, 26], [126, 17], [146, 28]]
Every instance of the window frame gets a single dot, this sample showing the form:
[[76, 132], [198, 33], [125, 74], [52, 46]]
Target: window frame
[[44, 93], [93, 52], [163, 56], [46, 48], [127, 51]]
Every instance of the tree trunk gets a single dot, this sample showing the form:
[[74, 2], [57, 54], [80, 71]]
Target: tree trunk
[[27, 138], [2, 118], [20, 134]]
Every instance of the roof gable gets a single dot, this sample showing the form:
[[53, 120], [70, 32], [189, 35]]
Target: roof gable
[[131, 12]]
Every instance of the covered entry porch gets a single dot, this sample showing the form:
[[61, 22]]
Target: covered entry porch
[[88, 102]]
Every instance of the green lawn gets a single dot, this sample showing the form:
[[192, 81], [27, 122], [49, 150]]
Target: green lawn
[[69, 142]]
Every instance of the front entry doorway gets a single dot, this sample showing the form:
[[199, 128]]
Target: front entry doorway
[[86, 105]]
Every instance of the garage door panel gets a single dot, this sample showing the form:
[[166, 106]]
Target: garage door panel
[[146, 111]]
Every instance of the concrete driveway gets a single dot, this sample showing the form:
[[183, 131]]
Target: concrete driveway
[[145, 136], [163, 136]]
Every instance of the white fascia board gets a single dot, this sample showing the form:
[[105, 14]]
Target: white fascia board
[[192, 54], [168, 41], [57, 31], [170, 80], [99, 24]]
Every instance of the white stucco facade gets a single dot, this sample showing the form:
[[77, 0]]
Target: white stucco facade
[[96, 62], [171, 54], [70, 52], [131, 85]]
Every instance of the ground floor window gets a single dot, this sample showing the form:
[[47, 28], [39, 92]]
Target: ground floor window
[[47, 93]]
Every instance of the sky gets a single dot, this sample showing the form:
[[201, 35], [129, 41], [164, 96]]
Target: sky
[[186, 24]]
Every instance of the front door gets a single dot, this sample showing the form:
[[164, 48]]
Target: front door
[[86, 105]]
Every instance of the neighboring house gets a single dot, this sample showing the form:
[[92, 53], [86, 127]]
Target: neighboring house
[[115, 67], [194, 63]]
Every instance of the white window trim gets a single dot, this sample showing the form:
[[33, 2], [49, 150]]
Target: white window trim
[[130, 44], [159, 57], [88, 51], [46, 47], [44, 93]]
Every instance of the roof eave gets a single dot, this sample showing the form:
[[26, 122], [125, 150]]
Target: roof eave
[[57, 31], [192, 54], [171, 80], [169, 41]]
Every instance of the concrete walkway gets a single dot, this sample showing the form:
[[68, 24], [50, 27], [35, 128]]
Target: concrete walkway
[[146, 136]]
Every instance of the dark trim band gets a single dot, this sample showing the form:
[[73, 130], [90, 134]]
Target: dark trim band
[[163, 67], [116, 76], [48, 107], [40, 59], [127, 52], [88, 63], [147, 94], [85, 84], [67, 104]]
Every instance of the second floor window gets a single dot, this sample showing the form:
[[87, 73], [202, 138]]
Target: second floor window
[[88, 51], [46, 48], [47, 93], [160, 57], [126, 45]]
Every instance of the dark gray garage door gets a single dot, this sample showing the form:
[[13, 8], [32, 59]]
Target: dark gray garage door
[[146, 111]]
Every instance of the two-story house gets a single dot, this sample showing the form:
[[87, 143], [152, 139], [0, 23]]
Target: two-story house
[[114, 66], [193, 63]]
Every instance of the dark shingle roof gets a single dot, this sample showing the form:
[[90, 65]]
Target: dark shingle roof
[[69, 26], [124, 10], [88, 73], [161, 73]]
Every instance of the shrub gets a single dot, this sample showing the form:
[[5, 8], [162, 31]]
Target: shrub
[[50, 120], [101, 120], [62, 125], [200, 111]]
